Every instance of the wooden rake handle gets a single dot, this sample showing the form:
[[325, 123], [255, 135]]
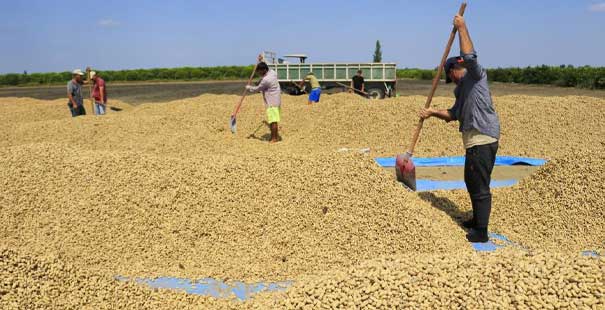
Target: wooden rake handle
[[351, 88], [241, 100], [92, 100], [436, 81]]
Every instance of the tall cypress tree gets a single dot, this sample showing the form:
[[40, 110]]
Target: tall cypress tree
[[378, 52]]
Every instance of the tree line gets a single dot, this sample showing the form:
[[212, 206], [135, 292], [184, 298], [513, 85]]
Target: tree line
[[565, 75], [157, 74]]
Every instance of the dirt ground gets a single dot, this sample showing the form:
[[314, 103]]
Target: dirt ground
[[137, 93]]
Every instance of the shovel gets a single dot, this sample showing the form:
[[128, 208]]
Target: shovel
[[92, 100], [301, 89], [353, 89], [233, 122], [404, 165]]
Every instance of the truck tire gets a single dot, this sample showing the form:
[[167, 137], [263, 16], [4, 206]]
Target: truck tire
[[293, 91], [375, 93]]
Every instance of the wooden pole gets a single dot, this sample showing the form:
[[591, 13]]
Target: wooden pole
[[436, 81], [92, 100]]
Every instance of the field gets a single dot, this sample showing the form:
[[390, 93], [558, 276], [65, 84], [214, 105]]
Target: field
[[163, 188], [139, 92]]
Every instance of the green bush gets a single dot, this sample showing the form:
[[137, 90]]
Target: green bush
[[565, 75], [417, 74]]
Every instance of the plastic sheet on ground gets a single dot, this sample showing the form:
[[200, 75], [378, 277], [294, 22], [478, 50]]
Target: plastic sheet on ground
[[459, 161], [212, 287], [433, 185]]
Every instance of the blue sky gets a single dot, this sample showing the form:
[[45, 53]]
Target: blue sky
[[40, 36]]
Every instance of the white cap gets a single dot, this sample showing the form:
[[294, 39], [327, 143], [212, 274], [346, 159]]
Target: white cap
[[92, 74], [78, 72]]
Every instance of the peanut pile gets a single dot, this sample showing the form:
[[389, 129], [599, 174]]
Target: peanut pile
[[559, 208], [167, 190], [49, 283], [240, 218], [504, 280]]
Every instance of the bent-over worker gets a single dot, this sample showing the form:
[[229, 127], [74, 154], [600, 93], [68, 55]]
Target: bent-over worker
[[269, 87], [315, 93], [479, 125]]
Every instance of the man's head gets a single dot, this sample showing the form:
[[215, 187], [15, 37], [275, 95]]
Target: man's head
[[262, 69], [359, 72], [454, 70], [77, 75], [93, 75]]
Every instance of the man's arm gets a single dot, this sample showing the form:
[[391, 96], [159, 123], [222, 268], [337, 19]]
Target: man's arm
[[438, 113], [302, 83], [467, 49], [257, 88], [262, 86], [363, 86], [102, 94], [71, 98], [466, 44]]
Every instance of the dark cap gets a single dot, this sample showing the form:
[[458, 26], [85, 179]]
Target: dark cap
[[449, 64]]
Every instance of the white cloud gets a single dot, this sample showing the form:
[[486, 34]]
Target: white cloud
[[597, 7], [108, 23]]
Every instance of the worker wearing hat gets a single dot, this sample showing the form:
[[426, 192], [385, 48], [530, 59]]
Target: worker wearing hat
[[74, 93], [315, 93], [479, 125], [99, 93]]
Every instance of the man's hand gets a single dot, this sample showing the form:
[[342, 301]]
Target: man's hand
[[248, 87], [75, 105], [459, 22], [425, 113]]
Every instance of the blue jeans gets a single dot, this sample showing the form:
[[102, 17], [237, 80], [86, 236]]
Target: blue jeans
[[77, 111], [100, 108]]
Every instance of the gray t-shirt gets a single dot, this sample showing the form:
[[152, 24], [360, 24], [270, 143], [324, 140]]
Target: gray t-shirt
[[474, 107], [75, 89]]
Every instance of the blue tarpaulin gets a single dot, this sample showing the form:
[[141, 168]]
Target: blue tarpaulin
[[212, 287], [243, 291], [433, 185], [490, 246], [459, 161]]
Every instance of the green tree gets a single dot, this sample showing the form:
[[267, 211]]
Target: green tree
[[378, 52]]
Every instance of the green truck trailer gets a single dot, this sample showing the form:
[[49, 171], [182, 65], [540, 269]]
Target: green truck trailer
[[380, 78]]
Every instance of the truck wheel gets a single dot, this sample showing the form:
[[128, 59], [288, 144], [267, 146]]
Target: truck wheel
[[293, 91], [376, 93]]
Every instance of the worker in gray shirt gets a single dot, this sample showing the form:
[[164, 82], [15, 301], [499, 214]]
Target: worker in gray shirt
[[479, 126], [74, 93]]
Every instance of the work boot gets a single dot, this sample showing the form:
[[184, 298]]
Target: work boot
[[469, 223], [477, 235]]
